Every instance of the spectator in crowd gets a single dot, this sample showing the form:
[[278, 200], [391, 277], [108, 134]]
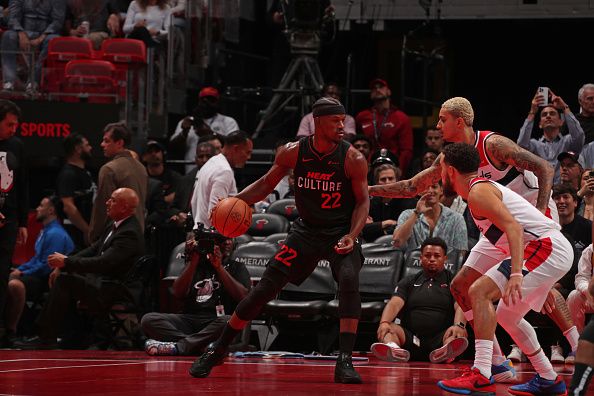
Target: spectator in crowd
[[433, 144], [578, 301], [432, 326], [363, 144], [28, 281], [552, 143], [32, 24], [121, 171], [570, 169], [386, 125], [430, 218], [14, 196], [586, 115], [307, 127], [576, 226], [384, 212], [217, 179], [215, 139], [434, 139], [586, 194], [185, 189], [103, 19], [148, 21], [210, 286], [206, 120], [154, 160], [428, 156], [453, 201], [82, 275], [75, 187]]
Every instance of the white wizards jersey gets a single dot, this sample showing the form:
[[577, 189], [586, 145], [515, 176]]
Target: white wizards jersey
[[521, 181], [535, 224]]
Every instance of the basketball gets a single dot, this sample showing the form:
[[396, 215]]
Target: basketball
[[231, 217]]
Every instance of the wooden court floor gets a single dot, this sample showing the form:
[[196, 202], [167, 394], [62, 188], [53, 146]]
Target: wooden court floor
[[71, 373]]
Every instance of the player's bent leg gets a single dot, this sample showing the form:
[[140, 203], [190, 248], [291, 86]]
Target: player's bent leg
[[584, 362], [271, 283]]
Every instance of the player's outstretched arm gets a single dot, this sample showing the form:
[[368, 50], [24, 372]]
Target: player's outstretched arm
[[285, 160], [504, 150], [412, 187]]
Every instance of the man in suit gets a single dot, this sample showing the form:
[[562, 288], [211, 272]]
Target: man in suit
[[81, 276], [122, 171]]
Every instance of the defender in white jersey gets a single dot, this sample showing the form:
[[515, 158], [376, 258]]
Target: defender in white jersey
[[501, 160], [532, 255]]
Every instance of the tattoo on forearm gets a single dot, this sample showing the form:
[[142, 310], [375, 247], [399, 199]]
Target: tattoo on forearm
[[399, 189], [506, 151]]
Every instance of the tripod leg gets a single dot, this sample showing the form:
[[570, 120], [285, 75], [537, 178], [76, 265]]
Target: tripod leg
[[286, 82]]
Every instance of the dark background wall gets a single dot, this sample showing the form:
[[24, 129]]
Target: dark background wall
[[496, 64]]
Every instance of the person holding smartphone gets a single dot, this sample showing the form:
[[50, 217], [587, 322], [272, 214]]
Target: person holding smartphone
[[550, 113]]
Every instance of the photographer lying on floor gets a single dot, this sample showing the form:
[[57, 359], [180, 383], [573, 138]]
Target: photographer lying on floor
[[210, 285]]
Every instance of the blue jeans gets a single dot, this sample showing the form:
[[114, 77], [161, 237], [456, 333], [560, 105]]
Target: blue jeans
[[9, 48]]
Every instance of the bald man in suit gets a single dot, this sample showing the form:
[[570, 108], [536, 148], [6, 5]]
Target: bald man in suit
[[81, 276]]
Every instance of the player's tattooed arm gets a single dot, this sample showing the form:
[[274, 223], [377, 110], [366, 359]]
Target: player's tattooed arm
[[411, 187], [504, 150]]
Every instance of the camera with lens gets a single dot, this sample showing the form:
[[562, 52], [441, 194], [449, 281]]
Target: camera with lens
[[206, 239]]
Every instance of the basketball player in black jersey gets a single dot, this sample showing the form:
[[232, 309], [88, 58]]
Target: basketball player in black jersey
[[332, 200]]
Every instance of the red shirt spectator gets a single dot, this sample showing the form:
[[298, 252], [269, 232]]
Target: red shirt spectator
[[386, 125]]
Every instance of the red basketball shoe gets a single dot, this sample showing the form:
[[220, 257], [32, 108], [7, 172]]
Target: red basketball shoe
[[471, 382]]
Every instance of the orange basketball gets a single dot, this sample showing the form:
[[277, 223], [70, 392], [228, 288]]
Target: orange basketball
[[231, 217]]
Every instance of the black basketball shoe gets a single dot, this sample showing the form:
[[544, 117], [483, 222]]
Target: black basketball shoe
[[344, 372], [213, 356]]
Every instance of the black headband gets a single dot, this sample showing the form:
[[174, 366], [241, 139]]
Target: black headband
[[327, 106]]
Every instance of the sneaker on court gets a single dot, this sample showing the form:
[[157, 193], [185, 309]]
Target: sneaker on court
[[449, 351], [504, 372], [471, 382], [570, 359], [390, 352], [516, 355], [557, 354], [344, 371], [159, 348], [213, 356], [540, 386]]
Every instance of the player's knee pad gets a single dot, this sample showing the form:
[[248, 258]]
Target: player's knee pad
[[267, 288], [588, 333]]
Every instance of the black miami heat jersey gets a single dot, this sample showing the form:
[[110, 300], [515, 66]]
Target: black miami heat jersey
[[323, 193]]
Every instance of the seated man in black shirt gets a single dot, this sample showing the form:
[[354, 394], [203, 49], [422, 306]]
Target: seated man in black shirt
[[432, 325], [211, 291]]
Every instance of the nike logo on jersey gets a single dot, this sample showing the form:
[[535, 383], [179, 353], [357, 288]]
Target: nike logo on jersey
[[306, 159], [415, 285]]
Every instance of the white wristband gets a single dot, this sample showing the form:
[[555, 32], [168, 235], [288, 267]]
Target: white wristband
[[518, 274]]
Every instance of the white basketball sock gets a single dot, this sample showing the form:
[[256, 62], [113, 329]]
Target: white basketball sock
[[483, 355], [572, 336]]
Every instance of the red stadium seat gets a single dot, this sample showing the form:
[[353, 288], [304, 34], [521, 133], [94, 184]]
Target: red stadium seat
[[94, 79], [128, 56], [61, 50]]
